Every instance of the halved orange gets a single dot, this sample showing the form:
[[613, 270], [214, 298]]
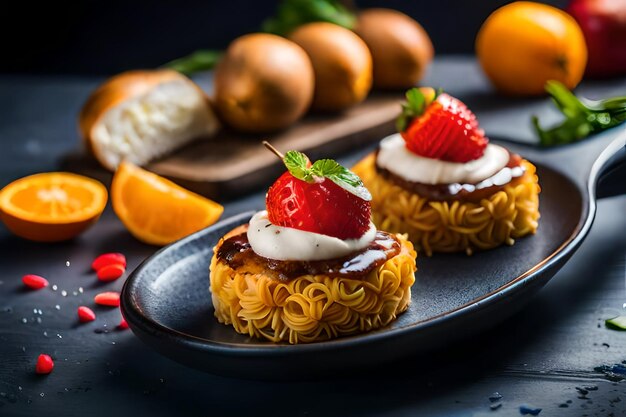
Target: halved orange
[[157, 211], [51, 206]]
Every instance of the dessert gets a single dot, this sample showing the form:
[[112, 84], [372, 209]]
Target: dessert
[[312, 266], [442, 183]]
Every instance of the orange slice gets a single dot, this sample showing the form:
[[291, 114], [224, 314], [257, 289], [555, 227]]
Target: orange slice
[[51, 206], [157, 211]]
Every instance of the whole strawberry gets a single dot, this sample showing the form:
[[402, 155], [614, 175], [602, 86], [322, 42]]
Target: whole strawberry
[[323, 198], [439, 126]]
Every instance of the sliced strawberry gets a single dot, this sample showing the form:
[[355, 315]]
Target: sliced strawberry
[[323, 197], [319, 207], [442, 129]]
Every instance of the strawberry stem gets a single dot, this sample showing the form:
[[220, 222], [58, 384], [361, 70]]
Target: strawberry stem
[[273, 150]]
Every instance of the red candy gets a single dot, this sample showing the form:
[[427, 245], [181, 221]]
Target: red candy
[[110, 272], [110, 298], [319, 207], [45, 364], [106, 259], [85, 314], [123, 324], [34, 282]]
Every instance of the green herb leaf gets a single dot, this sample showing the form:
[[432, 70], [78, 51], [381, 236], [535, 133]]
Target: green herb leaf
[[297, 164], [581, 118], [616, 323], [343, 177], [293, 13], [201, 60]]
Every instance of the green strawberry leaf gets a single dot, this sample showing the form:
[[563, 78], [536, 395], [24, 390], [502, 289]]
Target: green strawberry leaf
[[414, 106], [297, 164]]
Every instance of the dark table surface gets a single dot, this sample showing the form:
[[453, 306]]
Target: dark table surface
[[550, 355]]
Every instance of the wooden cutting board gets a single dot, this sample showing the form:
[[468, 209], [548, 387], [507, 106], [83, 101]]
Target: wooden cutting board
[[231, 164]]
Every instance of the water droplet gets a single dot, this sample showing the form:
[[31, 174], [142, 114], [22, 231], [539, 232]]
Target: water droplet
[[624, 305], [45, 333], [162, 380], [40, 312], [112, 343], [19, 387], [74, 293], [23, 348], [496, 396], [34, 311], [59, 336], [64, 293], [41, 394], [58, 307], [38, 320], [67, 263], [24, 320], [54, 287], [80, 290]]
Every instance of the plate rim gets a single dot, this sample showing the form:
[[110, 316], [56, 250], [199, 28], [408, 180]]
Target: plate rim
[[560, 254]]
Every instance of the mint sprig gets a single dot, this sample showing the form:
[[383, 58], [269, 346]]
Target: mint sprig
[[298, 165], [582, 118], [413, 107]]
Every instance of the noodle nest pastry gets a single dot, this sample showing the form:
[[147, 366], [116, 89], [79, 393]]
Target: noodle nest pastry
[[309, 308], [454, 225]]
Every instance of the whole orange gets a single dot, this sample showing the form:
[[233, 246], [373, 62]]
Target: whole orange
[[524, 44]]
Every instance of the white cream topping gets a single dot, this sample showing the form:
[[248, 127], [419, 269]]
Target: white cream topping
[[397, 159], [289, 244]]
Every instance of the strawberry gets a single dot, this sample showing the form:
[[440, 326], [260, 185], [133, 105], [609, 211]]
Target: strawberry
[[323, 198], [440, 126]]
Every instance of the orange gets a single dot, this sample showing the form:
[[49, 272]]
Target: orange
[[157, 211], [51, 206], [524, 44]]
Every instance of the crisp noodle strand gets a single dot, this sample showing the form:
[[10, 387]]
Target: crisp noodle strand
[[312, 308], [452, 226]]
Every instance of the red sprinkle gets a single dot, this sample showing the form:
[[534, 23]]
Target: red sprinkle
[[123, 324], [111, 272], [34, 282], [108, 299], [86, 314], [108, 259], [45, 364]]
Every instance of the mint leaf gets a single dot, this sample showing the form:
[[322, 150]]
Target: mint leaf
[[582, 118], [296, 162], [343, 177]]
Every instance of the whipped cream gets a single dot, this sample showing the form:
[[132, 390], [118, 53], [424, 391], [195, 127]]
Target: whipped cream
[[289, 244], [397, 159]]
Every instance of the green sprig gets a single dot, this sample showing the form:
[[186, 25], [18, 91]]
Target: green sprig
[[582, 118], [293, 13], [200, 60], [300, 167]]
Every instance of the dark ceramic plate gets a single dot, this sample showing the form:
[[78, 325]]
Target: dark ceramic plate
[[167, 304]]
